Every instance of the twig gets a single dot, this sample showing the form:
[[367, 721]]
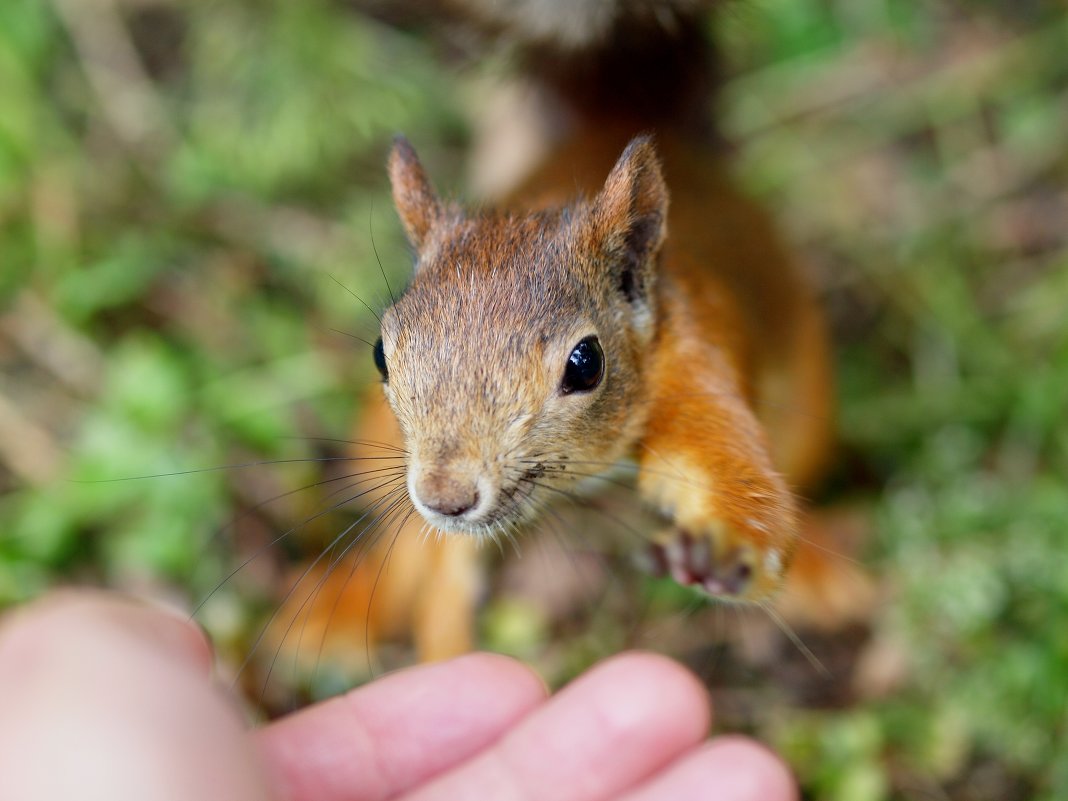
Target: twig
[[25, 447], [116, 74], [45, 339]]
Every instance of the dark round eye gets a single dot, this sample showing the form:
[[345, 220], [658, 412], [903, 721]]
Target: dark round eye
[[585, 367], [380, 359]]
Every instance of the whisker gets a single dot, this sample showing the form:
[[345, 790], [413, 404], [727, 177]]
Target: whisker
[[351, 336], [300, 580], [262, 504], [621, 465], [509, 533], [369, 443], [379, 520], [378, 577], [374, 247], [795, 639], [259, 551], [584, 503], [240, 466], [361, 300], [831, 551], [313, 594], [394, 473], [366, 545]]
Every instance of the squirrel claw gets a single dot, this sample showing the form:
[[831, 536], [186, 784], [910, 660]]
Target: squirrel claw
[[690, 561]]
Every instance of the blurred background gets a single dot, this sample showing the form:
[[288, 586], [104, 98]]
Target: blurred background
[[189, 190]]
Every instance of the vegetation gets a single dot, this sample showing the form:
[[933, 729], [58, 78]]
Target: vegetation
[[185, 189]]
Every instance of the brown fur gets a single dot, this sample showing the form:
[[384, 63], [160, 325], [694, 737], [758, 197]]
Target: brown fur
[[717, 374]]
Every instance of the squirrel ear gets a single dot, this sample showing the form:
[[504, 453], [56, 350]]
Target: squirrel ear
[[416, 203], [630, 214]]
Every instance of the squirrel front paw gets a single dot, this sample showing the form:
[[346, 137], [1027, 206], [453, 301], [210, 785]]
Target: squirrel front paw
[[718, 565]]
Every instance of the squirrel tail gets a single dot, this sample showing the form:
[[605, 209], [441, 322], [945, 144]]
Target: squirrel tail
[[646, 64]]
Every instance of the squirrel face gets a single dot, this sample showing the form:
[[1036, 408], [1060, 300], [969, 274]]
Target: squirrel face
[[519, 347]]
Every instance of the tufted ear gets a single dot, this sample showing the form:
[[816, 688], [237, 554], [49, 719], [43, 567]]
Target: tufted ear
[[630, 217], [417, 205]]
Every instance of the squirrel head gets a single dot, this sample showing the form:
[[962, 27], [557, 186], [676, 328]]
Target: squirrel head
[[514, 360]]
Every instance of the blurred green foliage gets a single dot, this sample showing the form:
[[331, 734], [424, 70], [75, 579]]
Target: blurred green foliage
[[919, 153], [179, 188], [183, 188]]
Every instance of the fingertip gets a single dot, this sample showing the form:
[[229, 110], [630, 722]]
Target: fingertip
[[410, 726], [616, 725], [729, 768], [192, 638], [514, 687], [72, 617], [103, 691], [503, 670], [674, 689], [757, 773]]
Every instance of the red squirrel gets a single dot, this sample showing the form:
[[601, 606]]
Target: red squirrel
[[623, 301]]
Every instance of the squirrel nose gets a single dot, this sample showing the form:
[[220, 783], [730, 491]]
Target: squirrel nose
[[446, 495]]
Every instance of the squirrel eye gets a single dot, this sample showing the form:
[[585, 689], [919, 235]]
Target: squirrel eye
[[380, 359], [585, 367]]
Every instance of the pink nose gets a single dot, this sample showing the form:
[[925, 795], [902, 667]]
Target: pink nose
[[445, 494]]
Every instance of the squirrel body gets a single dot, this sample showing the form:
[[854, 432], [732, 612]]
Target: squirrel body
[[695, 327], [714, 368]]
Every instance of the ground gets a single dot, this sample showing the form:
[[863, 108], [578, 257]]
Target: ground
[[182, 189]]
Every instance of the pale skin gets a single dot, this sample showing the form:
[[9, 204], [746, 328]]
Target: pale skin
[[106, 697]]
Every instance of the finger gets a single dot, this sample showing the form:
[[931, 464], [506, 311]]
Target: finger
[[727, 769], [107, 698], [608, 730], [400, 731], [84, 614]]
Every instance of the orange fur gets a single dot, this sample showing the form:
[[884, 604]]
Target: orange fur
[[719, 385]]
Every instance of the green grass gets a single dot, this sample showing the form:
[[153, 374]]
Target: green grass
[[180, 188], [925, 174]]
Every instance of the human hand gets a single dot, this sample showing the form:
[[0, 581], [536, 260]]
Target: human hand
[[109, 698]]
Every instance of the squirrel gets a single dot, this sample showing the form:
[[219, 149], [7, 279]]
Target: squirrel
[[622, 300]]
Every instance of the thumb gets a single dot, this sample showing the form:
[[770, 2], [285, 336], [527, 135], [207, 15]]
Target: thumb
[[108, 698]]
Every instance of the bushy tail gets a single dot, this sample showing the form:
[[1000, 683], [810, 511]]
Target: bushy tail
[[635, 61]]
